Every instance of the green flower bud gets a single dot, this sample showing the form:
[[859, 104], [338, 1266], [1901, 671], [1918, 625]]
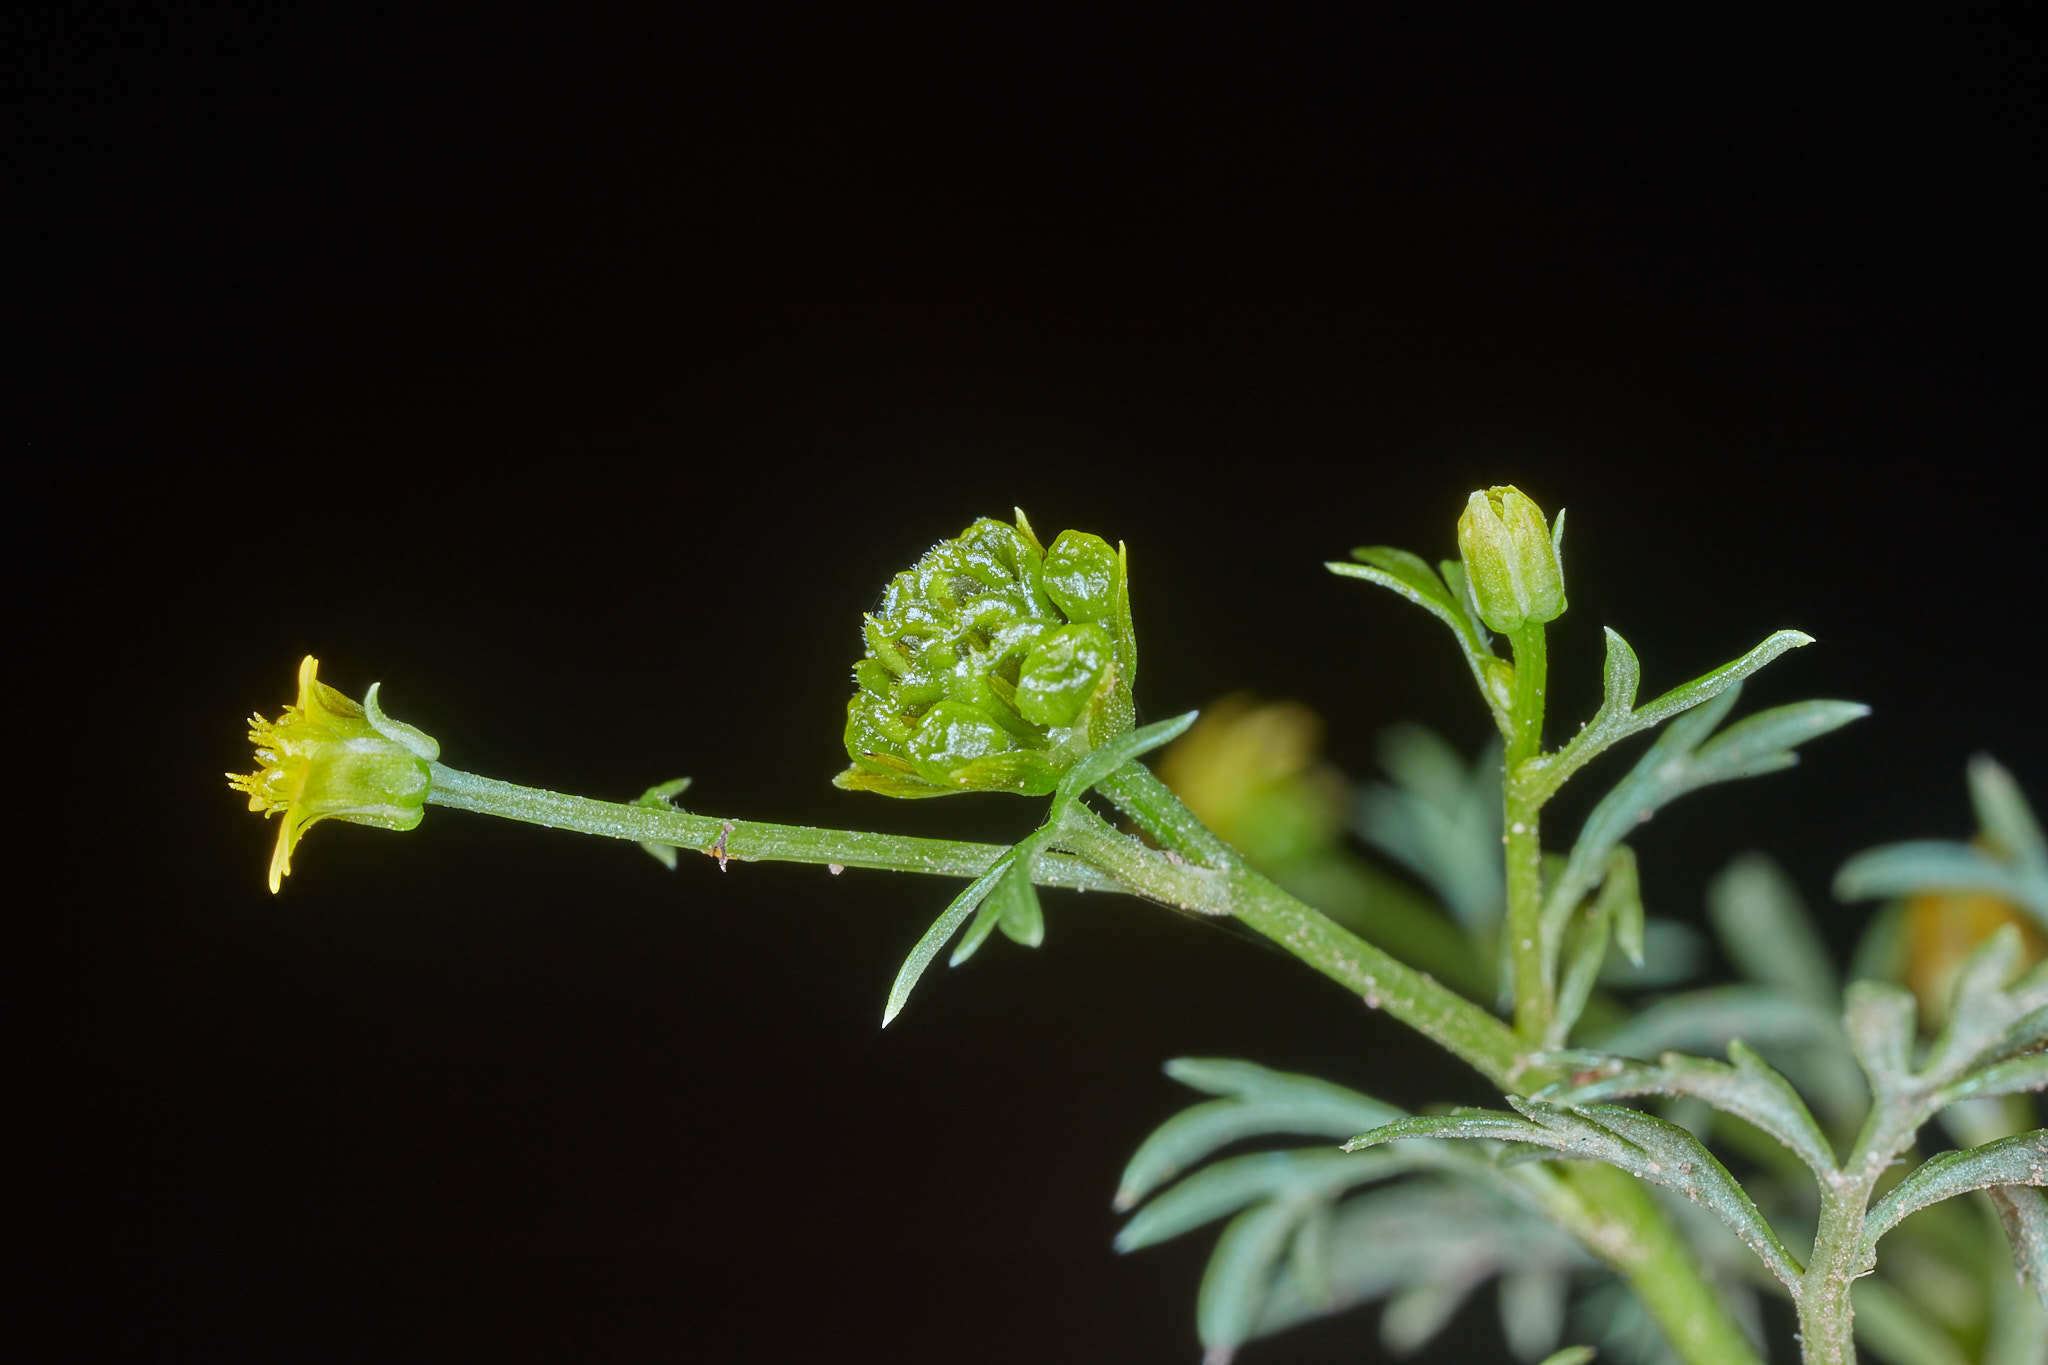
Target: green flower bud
[[1511, 559], [993, 664]]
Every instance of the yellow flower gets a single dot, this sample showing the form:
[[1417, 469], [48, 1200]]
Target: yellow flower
[[327, 757]]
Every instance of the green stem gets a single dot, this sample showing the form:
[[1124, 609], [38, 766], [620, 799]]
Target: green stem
[[744, 840], [1521, 818], [1383, 982]]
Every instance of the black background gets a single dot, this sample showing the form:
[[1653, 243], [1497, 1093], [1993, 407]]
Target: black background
[[584, 380]]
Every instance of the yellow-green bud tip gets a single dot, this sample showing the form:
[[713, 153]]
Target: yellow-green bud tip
[[1511, 558], [328, 758]]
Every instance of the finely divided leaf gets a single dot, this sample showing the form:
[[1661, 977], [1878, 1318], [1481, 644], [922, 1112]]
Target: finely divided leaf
[[935, 937], [1240, 1273], [1114, 753], [1932, 865], [1224, 1187], [1765, 930], [1711, 684], [1648, 1148], [1879, 1019], [2003, 814], [1746, 1086], [2018, 1160], [1261, 1101]]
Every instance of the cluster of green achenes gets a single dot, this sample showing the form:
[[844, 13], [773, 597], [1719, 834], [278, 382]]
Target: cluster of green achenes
[[993, 664]]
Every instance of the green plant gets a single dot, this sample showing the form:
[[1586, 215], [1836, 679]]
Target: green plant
[[999, 663]]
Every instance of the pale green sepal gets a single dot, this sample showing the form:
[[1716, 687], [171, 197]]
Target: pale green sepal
[[2021, 1159], [2025, 1214], [1570, 1355], [662, 796], [411, 738]]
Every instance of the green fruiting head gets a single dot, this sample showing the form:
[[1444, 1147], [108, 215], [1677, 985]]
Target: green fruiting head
[[993, 664], [1512, 560]]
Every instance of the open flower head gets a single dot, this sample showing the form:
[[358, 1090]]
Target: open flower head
[[328, 758]]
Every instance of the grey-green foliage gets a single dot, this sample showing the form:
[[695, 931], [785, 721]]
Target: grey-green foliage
[[1421, 1229], [1439, 817], [1303, 1241], [2014, 868]]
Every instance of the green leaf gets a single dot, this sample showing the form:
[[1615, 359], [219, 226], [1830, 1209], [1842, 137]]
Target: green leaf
[[1711, 684], [1765, 929], [1746, 1087], [1114, 753], [1706, 1020], [1620, 905], [1239, 1276], [1410, 576], [1932, 865], [661, 796], [1618, 716], [1260, 1101], [1224, 1187], [2013, 1076], [2004, 815], [1878, 1018], [1646, 1147], [1570, 1355], [1420, 1232], [1308, 1255], [1532, 1311], [1017, 911], [1416, 1314], [942, 929], [1980, 1009], [1682, 760], [1441, 820], [2018, 1160], [2025, 1215]]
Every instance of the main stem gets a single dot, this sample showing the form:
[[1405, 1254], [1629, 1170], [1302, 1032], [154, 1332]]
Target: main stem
[[1523, 835]]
